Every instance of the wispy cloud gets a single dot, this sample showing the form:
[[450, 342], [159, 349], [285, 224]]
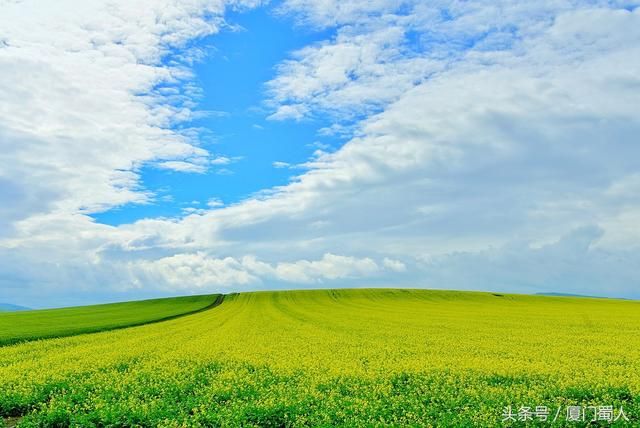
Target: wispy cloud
[[280, 165]]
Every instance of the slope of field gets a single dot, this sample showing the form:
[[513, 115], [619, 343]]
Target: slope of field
[[47, 323], [336, 358]]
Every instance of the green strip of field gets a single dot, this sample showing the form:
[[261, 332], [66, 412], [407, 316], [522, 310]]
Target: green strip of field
[[48, 323]]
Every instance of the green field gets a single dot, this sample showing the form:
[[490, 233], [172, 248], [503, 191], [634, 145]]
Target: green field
[[337, 358], [48, 323]]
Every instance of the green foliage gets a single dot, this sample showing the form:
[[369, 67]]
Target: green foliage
[[30, 325]]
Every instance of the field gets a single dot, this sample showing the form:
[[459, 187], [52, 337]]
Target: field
[[337, 358], [30, 325]]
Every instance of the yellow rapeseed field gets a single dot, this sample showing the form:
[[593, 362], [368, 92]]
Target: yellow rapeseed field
[[340, 358]]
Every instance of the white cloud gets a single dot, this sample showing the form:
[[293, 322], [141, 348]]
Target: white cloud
[[280, 165], [182, 166], [85, 100], [394, 265], [193, 210], [330, 267], [215, 203], [285, 111], [198, 165], [383, 48], [196, 271], [351, 75], [221, 160], [328, 13], [192, 272]]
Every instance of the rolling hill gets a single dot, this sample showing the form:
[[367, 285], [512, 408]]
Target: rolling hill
[[48, 323], [337, 358]]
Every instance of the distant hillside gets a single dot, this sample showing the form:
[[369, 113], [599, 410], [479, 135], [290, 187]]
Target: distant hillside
[[8, 307], [39, 324], [576, 295]]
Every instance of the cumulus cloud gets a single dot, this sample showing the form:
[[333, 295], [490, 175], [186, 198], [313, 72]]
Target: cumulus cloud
[[86, 100], [192, 271], [331, 266], [381, 49], [198, 270]]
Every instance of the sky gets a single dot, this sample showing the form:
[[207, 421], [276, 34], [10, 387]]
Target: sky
[[165, 148]]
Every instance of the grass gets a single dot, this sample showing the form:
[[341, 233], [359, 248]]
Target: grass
[[336, 358], [48, 323]]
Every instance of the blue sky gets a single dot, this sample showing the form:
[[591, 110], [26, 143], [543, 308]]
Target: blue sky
[[232, 76], [219, 146]]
